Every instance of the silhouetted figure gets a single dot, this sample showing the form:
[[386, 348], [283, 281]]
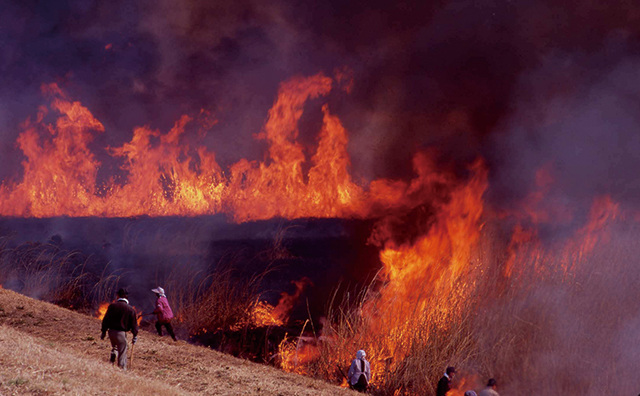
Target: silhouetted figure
[[444, 385], [360, 372], [163, 313], [120, 318], [490, 390]]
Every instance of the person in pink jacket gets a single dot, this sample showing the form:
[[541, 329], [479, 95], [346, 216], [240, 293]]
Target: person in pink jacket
[[163, 313]]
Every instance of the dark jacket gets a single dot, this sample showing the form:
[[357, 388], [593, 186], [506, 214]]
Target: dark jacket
[[444, 386], [120, 316]]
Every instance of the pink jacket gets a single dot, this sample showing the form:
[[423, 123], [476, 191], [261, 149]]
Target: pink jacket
[[163, 310]]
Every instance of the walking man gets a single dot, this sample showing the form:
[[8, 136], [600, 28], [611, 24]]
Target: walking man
[[444, 385], [120, 318], [163, 313], [360, 372]]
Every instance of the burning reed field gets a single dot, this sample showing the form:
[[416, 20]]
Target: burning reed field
[[439, 183]]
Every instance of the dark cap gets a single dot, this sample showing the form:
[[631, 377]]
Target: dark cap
[[122, 292], [451, 369], [491, 382]]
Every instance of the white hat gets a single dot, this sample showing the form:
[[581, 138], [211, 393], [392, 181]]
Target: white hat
[[158, 290]]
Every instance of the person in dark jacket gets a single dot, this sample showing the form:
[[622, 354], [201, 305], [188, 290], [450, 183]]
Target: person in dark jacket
[[119, 319], [444, 385], [163, 313]]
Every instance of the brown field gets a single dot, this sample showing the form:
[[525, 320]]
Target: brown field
[[49, 350]]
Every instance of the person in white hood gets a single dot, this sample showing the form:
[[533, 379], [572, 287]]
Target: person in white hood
[[360, 372]]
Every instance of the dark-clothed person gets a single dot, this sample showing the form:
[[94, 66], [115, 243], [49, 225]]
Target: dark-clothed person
[[119, 319], [444, 385], [163, 313], [360, 372]]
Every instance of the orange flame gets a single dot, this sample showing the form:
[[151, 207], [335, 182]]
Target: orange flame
[[295, 354], [102, 310], [603, 212], [287, 301], [138, 315], [521, 240], [537, 207], [526, 250], [464, 384], [429, 266], [165, 177], [264, 314]]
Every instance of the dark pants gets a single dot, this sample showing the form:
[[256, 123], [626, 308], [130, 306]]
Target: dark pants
[[169, 329], [118, 344], [361, 385]]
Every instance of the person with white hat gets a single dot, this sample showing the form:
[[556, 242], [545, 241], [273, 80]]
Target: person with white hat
[[163, 313]]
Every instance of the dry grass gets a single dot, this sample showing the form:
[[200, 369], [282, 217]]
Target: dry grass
[[217, 301], [66, 278], [425, 340], [545, 330], [212, 299], [32, 365], [64, 346]]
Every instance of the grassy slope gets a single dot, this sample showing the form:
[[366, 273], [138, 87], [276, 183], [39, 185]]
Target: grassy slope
[[48, 350]]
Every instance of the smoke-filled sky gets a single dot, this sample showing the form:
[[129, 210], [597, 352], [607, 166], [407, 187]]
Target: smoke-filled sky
[[522, 84]]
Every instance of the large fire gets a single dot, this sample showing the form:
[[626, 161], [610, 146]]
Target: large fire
[[166, 177], [428, 279]]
